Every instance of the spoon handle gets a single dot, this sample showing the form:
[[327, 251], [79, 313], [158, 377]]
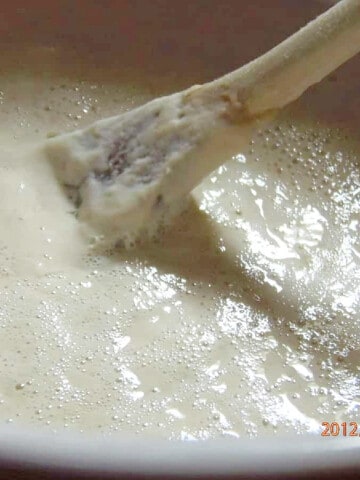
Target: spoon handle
[[281, 75]]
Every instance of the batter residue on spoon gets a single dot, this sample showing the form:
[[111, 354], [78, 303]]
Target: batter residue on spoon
[[242, 320]]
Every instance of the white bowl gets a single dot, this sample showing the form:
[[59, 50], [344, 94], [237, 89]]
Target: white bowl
[[214, 37]]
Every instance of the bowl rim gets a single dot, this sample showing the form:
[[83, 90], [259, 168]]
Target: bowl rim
[[119, 454]]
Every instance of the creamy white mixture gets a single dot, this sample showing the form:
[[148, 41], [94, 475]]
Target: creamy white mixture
[[242, 320]]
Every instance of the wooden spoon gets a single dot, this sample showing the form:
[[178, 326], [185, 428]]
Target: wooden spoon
[[133, 171]]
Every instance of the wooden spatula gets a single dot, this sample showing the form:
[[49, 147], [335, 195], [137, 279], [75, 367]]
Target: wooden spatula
[[133, 171]]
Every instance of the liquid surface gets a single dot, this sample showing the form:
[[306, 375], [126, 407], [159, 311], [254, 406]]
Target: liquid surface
[[242, 320]]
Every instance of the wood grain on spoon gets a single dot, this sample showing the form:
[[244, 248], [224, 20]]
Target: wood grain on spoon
[[133, 171]]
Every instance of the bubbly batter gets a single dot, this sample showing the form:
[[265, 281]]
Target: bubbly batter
[[242, 320]]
